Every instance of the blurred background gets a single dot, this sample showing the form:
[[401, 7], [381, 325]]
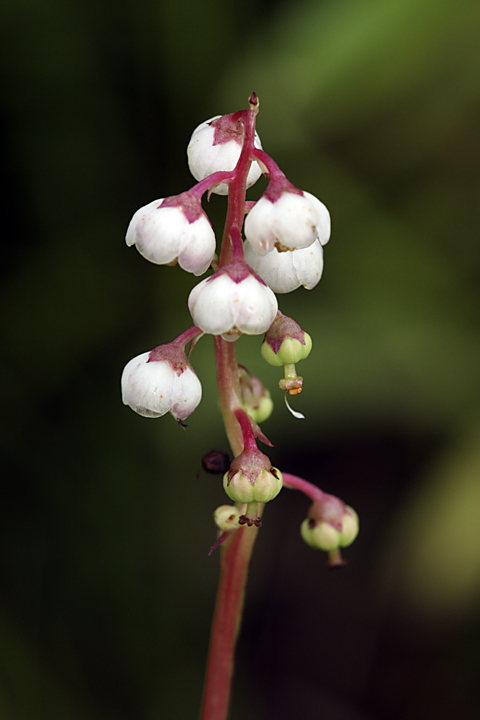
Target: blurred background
[[106, 588]]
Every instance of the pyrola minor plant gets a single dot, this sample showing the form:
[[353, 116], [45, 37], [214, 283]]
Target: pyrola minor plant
[[285, 232]]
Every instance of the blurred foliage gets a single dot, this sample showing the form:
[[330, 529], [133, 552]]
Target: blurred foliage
[[107, 590]]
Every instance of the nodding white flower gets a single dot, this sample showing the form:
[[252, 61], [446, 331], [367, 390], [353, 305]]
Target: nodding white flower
[[233, 301], [171, 229], [287, 220], [153, 387], [286, 271], [215, 146]]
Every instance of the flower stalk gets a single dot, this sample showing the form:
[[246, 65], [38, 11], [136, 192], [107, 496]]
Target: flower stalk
[[285, 231]]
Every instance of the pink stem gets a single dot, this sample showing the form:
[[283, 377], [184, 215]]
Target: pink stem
[[186, 336], [297, 483], [237, 549], [272, 167], [249, 442], [237, 189], [209, 182], [235, 562]]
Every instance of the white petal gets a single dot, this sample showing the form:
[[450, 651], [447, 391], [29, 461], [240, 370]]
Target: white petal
[[254, 306], [186, 395], [147, 386], [210, 306], [308, 265], [138, 218], [197, 246], [286, 271], [323, 218]]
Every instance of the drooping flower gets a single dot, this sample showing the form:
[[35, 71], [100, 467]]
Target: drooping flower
[[286, 271], [161, 381], [215, 146], [233, 301], [286, 218], [171, 229]]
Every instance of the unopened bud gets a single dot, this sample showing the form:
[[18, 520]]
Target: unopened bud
[[322, 535], [226, 518]]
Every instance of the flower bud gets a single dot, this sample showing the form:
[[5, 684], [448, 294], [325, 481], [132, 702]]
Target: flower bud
[[161, 381], [171, 229], [265, 487], [233, 301], [285, 342], [286, 271], [251, 478], [256, 399], [322, 534], [287, 219], [216, 145], [226, 518]]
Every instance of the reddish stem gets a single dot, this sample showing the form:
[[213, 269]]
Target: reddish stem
[[186, 336], [235, 562], [297, 483], [237, 550]]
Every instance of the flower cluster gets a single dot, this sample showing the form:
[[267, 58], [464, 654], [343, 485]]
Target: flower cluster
[[271, 246]]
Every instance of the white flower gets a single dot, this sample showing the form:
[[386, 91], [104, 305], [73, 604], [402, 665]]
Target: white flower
[[154, 388], [292, 221], [286, 271], [205, 157], [227, 306], [164, 234]]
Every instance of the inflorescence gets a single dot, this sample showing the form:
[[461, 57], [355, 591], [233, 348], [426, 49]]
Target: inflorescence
[[285, 231]]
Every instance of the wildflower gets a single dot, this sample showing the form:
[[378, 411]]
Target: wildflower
[[174, 229], [233, 301], [216, 145], [286, 218], [161, 381], [286, 271]]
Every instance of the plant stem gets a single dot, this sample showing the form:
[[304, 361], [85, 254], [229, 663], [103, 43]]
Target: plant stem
[[236, 554], [235, 561], [237, 550]]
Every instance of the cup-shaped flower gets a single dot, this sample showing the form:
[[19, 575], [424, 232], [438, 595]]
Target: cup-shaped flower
[[324, 534], [233, 301], [215, 146], [286, 271], [161, 381], [171, 229], [287, 219]]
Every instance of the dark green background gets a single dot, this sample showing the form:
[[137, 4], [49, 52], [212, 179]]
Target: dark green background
[[106, 590]]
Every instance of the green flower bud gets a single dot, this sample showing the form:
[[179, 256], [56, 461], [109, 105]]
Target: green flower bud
[[290, 351], [320, 534], [264, 488], [226, 518], [256, 399], [263, 410]]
